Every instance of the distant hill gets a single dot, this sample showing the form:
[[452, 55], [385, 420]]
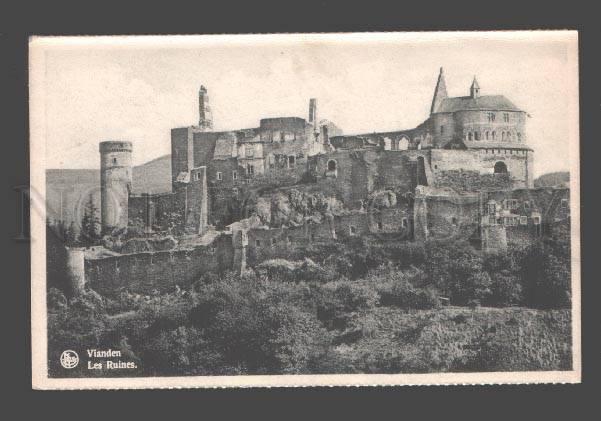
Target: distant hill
[[560, 178], [68, 190], [153, 176]]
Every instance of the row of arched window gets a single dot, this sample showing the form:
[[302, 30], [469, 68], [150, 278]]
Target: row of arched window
[[492, 135], [400, 144]]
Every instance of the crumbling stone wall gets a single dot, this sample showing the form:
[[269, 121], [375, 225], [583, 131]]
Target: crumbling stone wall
[[452, 217], [266, 243], [471, 181], [361, 172], [446, 164], [144, 272]]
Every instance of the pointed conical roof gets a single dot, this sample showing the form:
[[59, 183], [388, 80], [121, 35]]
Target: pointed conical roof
[[475, 89], [440, 92], [475, 84]]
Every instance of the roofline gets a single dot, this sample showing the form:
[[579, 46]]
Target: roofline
[[508, 146], [390, 132], [481, 109]]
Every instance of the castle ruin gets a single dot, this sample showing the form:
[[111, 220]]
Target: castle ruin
[[241, 196]]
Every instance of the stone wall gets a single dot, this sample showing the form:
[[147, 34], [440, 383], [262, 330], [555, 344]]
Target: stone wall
[[144, 272], [360, 172], [452, 218], [462, 180], [181, 151], [528, 214], [265, 243], [482, 161]]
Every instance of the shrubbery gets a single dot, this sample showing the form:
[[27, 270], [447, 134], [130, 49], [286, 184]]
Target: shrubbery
[[335, 308]]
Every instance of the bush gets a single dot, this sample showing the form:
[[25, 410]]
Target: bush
[[506, 289], [546, 275], [406, 289], [253, 325], [336, 300], [295, 271]]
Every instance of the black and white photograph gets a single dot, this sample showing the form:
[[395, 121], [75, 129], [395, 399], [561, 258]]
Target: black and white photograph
[[305, 209]]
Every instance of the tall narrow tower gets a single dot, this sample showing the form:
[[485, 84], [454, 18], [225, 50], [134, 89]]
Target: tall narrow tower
[[115, 184], [313, 113], [440, 92], [205, 119]]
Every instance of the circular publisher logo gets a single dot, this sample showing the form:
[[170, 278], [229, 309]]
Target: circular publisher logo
[[69, 359]]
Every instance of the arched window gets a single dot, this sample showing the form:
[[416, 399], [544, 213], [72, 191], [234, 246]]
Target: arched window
[[502, 135], [403, 144], [331, 165], [387, 144], [487, 135], [494, 135], [508, 135], [519, 137], [500, 168], [477, 135], [469, 136], [271, 161]]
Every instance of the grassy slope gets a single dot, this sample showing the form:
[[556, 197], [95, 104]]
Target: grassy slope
[[454, 339]]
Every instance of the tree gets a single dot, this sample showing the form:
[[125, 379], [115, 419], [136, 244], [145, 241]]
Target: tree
[[71, 237], [506, 289], [90, 224]]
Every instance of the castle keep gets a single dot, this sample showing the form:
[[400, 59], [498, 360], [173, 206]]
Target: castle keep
[[241, 196]]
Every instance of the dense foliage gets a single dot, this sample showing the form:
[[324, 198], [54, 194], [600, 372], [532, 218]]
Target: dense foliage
[[356, 307]]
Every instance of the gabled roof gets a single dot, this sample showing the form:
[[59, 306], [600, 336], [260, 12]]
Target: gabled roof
[[483, 103]]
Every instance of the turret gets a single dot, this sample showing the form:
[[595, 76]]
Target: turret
[[115, 184], [475, 89], [440, 92], [205, 118]]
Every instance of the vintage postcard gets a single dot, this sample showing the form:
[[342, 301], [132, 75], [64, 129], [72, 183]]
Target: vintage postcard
[[305, 210]]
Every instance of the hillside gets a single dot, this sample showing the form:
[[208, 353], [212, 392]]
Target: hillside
[[389, 340], [560, 178], [153, 176], [76, 185]]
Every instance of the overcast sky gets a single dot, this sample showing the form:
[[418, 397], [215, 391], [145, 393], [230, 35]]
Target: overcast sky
[[138, 91]]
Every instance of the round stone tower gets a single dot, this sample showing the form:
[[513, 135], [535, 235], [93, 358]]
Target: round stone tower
[[115, 184]]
